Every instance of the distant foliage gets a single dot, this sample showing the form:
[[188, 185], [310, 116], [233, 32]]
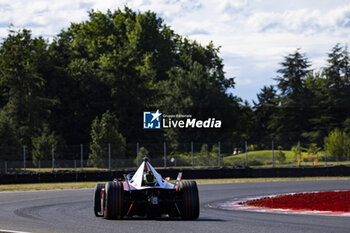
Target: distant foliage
[[204, 149], [143, 152], [287, 121], [304, 105], [42, 146], [313, 149], [203, 158], [295, 150], [23, 65], [124, 61], [338, 145], [104, 131], [215, 149], [281, 156], [10, 147]]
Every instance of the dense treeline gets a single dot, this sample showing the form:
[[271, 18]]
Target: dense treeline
[[103, 73], [305, 105], [122, 62]]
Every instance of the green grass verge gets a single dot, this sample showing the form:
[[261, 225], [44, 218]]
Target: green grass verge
[[63, 169], [246, 180], [260, 158], [45, 186], [81, 185], [263, 158]]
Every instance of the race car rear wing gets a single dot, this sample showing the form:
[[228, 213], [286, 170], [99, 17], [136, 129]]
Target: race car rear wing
[[178, 180]]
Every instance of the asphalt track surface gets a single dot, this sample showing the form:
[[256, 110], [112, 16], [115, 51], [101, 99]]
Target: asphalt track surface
[[71, 211]]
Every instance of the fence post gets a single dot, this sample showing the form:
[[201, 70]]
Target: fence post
[[53, 156], [81, 157], [5, 167], [246, 154], [24, 158], [109, 157], [325, 153], [192, 155], [273, 154], [137, 153], [299, 153], [76, 170], [39, 178], [164, 154], [219, 154]]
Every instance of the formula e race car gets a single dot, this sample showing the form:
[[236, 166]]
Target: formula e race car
[[145, 193]]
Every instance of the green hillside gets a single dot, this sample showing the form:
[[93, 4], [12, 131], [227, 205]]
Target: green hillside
[[264, 158]]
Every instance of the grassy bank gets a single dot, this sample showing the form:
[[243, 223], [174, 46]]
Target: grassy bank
[[263, 158]]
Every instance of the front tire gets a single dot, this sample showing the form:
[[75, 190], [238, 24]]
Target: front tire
[[97, 200], [114, 192], [189, 200]]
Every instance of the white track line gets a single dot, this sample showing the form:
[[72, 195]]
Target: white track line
[[9, 231]]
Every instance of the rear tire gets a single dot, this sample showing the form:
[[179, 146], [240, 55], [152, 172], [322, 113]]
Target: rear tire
[[97, 200], [189, 206], [114, 192]]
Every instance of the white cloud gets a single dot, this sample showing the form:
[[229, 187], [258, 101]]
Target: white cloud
[[305, 21], [254, 35]]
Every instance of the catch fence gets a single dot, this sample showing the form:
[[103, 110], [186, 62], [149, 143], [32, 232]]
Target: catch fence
[[168, 155]]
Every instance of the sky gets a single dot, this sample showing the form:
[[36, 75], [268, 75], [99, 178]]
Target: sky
[[254, 35]]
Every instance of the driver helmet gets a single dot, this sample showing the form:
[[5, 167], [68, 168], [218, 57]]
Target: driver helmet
[[149, 179]]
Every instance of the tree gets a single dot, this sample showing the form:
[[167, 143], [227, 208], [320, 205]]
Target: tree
[[123, 61], [104, 131], [327, 94], [337, 86], [22, 85], [113, 59], [262, 112], [197, 86], [290, 119], [320, 119], [43, 144], [338, 69], [338, 144], [295, 68], [313, 149], [215, 149], [10, 147], [281, 156], [204, 149], [143, 152]]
